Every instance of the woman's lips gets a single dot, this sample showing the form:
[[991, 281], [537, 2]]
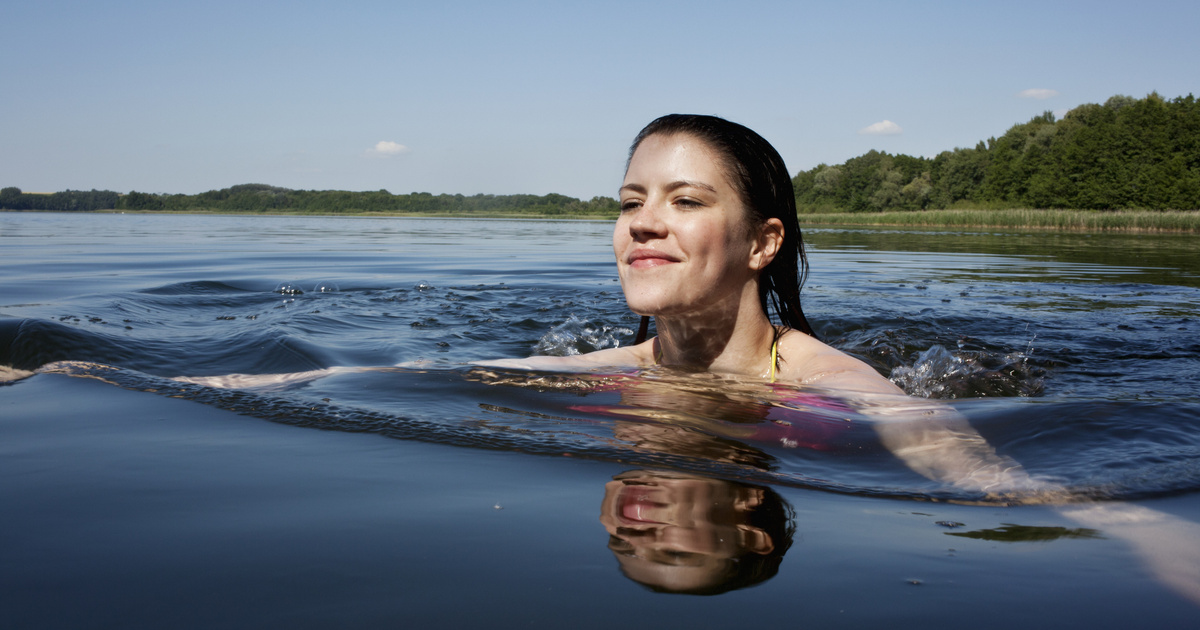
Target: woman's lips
[[647, 258], [635, 504]]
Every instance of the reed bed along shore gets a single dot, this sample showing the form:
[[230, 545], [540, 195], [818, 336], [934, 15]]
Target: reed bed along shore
[[1081, 220]]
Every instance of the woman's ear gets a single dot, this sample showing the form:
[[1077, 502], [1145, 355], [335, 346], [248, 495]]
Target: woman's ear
[[767, 242], [754, 540]]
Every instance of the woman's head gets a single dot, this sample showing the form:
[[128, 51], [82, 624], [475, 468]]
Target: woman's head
[[681, 533], [757, 173]]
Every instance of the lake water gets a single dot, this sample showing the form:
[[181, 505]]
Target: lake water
[[439, 494]]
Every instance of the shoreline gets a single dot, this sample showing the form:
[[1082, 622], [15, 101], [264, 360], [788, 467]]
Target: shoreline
[[402, 215], [1127, 221]]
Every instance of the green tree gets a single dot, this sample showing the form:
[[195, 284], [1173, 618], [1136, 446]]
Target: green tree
[[9, 197]]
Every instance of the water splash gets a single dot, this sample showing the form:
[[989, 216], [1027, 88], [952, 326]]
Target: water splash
[[939, 373], [579, 336]]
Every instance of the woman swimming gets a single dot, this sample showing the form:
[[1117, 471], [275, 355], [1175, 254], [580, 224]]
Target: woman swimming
[[707, 243]]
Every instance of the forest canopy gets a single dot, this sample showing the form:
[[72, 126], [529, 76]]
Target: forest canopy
[[1125, 154]]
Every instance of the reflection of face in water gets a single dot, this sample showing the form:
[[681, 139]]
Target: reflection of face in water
[[683, 533]]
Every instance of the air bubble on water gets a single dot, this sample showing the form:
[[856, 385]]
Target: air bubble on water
[[289, 288], [325, 287], [423, 286]]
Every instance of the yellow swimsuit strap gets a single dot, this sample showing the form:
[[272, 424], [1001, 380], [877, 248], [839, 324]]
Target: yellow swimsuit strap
[[774, 358]]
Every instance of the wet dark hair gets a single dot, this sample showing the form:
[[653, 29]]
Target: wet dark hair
[[760, 178]]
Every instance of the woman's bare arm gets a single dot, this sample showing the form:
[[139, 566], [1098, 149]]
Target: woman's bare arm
[[630, 356], [935, 441]]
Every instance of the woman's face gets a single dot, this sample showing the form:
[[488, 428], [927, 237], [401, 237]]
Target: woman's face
[[681, 532], [682, 242]]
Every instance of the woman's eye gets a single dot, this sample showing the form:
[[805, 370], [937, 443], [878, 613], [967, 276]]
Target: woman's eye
[[631, 204], [686, 202]]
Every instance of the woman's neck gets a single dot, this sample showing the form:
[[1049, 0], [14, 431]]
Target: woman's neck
[[733, 339]]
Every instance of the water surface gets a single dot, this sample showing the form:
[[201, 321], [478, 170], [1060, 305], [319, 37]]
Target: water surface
[[1075, 355]]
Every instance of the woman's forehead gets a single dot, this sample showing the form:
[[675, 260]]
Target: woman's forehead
[[678, 157]]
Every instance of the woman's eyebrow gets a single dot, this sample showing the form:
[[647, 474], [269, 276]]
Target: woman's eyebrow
[[638, 188], [684, 183]]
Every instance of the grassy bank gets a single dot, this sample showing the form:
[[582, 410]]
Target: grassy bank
[[1067, 220]]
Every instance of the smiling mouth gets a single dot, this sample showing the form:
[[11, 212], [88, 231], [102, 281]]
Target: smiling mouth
[[634, 505], [649, 259]]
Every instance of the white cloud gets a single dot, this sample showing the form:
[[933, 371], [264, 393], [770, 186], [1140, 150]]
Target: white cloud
[[1038, 93], [882, 128], [387, 148]]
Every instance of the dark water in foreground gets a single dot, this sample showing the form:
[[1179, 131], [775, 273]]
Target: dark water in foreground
[[1075, 355]]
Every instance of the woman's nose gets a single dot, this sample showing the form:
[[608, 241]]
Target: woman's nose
[[648, 222]]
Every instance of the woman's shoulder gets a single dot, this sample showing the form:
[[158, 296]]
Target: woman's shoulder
[[806, 360]]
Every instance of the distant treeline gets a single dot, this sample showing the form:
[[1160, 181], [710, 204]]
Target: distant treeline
[[263, 198], [12, 198], [1127, 153]]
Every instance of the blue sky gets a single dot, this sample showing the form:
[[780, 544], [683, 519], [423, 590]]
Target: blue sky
[[536, 97]]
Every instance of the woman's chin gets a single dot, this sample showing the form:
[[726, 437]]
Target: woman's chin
[[648, 308]]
